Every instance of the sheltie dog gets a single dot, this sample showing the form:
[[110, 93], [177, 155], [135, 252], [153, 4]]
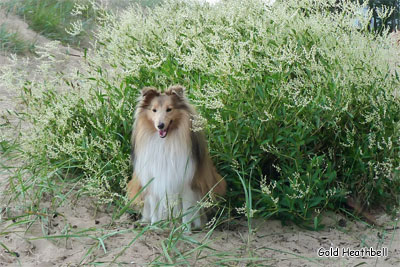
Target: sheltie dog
[[170, 160]]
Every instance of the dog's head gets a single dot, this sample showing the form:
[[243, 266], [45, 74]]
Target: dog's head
[[163, 110]]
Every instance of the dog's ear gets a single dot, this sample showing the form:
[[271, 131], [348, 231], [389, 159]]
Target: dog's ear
[[177, 90], [149, 91]]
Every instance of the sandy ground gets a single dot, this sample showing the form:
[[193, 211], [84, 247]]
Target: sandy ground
[[270, 243]]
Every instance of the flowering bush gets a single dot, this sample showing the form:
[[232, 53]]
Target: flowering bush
[[299, 100]]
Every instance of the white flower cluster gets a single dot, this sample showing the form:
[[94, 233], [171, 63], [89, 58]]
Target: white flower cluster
[[100, 15], [79, 8], [76, 28], [249, 213], [268, 189], [300, 188], [198, 123], [207, 202]]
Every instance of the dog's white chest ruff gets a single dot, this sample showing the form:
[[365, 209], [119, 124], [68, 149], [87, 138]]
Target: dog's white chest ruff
[[171, 166], [168, 161]]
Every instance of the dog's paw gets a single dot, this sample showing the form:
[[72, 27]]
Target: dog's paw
[[144, 220]]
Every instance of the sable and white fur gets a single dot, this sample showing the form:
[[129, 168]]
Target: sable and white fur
[[165, 149]]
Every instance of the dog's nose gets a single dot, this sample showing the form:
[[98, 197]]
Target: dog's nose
[[161, 126]]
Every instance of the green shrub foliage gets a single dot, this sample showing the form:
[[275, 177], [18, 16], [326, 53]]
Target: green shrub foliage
[[298, 98]]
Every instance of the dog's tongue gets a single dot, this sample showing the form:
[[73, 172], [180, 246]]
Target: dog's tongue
[[162, 133]]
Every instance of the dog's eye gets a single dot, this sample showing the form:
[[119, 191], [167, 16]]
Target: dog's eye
[[154, 110], [169, 109]]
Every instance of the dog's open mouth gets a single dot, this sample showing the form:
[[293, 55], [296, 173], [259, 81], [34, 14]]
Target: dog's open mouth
[[163, 133]]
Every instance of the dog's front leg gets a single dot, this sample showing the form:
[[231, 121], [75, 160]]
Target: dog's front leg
[[147, 210], [190, 211], [151, 209]]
